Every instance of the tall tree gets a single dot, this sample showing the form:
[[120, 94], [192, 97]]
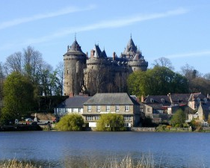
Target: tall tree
[[59, 73], [32, 61], [18, 96], [156, 81]]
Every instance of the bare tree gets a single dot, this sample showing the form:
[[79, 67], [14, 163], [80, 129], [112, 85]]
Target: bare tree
[[32, 60], [14, 63], [165, 62], [189, 72], [59, 71]]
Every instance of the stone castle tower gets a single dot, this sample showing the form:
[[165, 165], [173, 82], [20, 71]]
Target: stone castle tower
[[99, 73], [74, 63]]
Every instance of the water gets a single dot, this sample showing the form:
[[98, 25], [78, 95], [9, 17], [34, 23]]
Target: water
[[58, 148]]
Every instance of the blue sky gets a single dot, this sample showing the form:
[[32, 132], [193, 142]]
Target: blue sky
[[176, 29]]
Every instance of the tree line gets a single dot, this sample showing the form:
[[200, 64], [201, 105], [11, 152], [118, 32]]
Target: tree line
[[26, 81], [161, 80]]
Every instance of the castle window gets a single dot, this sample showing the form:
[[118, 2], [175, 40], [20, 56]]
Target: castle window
[[67, 71]]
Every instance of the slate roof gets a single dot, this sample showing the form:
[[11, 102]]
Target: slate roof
[[197, 95], [111, 99], [180, 98], [75, 49], [74, 102], [159, 99]]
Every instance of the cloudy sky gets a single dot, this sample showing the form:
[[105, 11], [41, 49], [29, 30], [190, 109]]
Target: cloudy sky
[[175, 29]]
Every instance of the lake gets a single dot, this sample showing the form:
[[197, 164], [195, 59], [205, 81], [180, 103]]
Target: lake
[[57, 149]]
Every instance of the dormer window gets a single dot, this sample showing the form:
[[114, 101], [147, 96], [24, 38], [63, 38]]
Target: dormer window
[[162, 100], [151, 100], [205, 100]]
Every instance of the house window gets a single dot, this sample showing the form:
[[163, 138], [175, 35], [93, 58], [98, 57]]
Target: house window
[[89, 108], [127, 118], [89, 118], [97, 117], [126, 108], [127, 125], [98, 108], [108, 108], [117, 108]]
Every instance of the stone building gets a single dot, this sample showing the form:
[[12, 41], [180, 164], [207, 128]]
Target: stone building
[[99, 73], [117, 103]]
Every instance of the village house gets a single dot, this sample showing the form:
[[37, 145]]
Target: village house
[[161, 108], [73, 104], [119, 103]]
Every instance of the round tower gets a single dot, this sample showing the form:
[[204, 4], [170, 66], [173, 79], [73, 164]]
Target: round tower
[[74, 63], [134, 57]]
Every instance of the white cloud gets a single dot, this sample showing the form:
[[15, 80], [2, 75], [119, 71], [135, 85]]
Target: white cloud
[[108, 24], [43, 16], [192, 54], [115, 23]]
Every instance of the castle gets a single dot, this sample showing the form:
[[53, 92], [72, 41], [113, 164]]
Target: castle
[[99, 73]]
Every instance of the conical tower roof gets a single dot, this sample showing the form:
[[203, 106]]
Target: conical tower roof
[[75, 49], [131, 46]]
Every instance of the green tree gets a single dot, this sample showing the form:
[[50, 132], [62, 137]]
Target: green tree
[[18, 96], [178, 118], [70, 122], [110, 122], [157, 81]]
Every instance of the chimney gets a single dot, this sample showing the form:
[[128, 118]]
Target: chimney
[[92, 53], [114, 55], [142, 98], [71, 94]]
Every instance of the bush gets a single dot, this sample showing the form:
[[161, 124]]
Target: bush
[[70, 122], [178, 119], [110, 122]]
